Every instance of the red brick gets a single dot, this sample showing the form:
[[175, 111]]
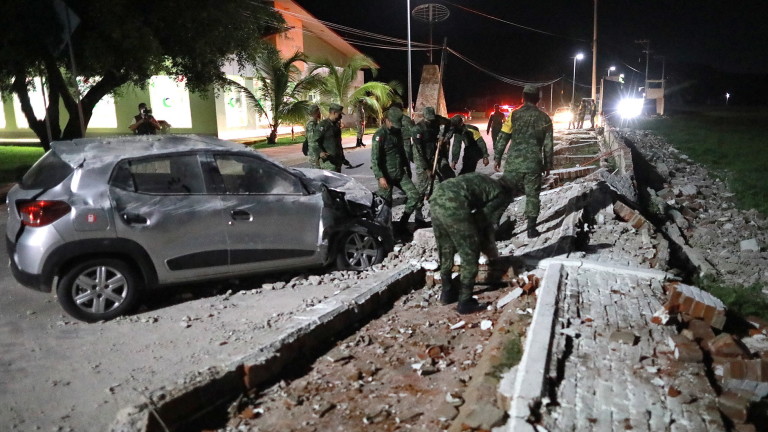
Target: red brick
[[702, 332], [734, 406], [757, 322], [724, 345]]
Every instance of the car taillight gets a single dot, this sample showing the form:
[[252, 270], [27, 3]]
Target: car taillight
[[41, 213]]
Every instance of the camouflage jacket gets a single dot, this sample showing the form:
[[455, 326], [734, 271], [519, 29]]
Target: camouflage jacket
[[479, 193], [425, 136], [388, 157], [408, 126], [329, 141], [474, 144], [531, 135], [311, 131]]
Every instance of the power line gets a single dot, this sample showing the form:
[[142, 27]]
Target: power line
[[513, 24]]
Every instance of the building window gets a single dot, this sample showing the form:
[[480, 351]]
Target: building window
[[169, 100]]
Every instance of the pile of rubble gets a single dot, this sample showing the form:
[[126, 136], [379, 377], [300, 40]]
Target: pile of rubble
[[739, 364], [732, 241]]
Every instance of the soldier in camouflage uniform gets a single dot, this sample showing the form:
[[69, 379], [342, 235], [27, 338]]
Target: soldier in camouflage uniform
[[474, 146], [390, 165], [313, 149], [465, 215], [329, 140], [494, 123], [425, 137], [530, 152]]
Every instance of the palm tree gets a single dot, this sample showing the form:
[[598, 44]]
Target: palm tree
[[374, 96], [283, 88]]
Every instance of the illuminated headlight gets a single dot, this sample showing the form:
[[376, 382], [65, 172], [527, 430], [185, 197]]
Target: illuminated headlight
[[630, 107]]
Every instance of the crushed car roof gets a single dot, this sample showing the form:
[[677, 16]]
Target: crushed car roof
[[111, 149]]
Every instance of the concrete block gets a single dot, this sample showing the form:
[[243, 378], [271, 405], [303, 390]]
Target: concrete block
[[749, 245]]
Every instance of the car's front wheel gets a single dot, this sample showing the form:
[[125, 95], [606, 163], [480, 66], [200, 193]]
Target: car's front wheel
[[359, 250], [98, 289]]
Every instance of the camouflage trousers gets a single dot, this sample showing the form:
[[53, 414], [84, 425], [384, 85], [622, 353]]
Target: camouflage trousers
[[530, 182], [457, 230], [444, 172], [330, 166], [414, 199]]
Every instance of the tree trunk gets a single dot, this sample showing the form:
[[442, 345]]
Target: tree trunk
[[272, 138], [108, 84], [19, 87]]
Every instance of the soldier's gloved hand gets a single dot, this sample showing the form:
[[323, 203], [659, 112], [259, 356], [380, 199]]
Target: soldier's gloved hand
[[453, 166], [497, 167], [323, 156], [383, 183], [485, 161]]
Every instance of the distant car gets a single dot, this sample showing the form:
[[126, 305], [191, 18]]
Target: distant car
[[101, 220], [465, 114], [506, 109]]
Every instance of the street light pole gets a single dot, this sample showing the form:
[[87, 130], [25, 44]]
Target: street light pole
[[594, 54], [612, 68], [410, 93], [578, 56]]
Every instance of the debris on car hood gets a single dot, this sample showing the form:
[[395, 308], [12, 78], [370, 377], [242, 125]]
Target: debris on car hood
[[353, 190]]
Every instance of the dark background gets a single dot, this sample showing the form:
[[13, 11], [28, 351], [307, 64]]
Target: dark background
[[710, 47]]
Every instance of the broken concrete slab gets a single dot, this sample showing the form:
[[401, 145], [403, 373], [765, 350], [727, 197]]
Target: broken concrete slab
[[749, 245]]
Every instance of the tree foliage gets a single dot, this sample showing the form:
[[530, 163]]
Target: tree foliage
[[282, 87], [337, 86], [119, 42]]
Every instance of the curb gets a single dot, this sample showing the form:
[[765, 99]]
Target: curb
[[529, 383], [306, 334]]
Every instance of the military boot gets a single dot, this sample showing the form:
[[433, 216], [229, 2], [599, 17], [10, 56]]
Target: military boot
[[467, 303], [532, 231], [419, 219], [449, 294], [401, 227], [359, 143]]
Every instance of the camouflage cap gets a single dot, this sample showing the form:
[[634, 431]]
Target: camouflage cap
[[314, 109], [395, 116], [531, 89], [457, 120], [336, 108], [429, 113]]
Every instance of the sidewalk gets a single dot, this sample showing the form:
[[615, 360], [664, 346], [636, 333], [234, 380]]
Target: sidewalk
[[291, 154]]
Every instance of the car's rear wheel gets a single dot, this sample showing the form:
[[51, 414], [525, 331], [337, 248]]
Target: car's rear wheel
[[98, 289], [359, 250]]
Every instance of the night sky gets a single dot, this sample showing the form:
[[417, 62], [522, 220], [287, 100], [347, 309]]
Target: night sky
[[729, 36]]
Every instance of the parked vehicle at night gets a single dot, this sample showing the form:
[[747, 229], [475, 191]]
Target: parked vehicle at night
[[466, 114], [101, 220]]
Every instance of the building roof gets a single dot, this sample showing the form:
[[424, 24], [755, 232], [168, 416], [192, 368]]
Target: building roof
[[314, 26]]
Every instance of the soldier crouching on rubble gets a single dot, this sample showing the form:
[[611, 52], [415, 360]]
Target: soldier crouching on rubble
[[465, 214]]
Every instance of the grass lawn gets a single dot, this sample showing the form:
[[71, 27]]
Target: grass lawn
[[15, 160], [733, 143]]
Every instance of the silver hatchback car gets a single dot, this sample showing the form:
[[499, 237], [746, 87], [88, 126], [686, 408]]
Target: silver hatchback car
[[101, 220]]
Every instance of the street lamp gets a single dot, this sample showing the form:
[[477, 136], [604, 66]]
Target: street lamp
[[578, 56], [727, 96], [612, 68]]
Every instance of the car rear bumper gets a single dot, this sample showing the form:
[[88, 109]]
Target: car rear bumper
[[35, 281]]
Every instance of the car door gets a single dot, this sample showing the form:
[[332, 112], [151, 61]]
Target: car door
[[166, 204], [272, 221]]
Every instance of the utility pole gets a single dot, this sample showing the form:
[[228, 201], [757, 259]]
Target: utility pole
[[410, 93], [663, 64], [594, 54], [647, 45]]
